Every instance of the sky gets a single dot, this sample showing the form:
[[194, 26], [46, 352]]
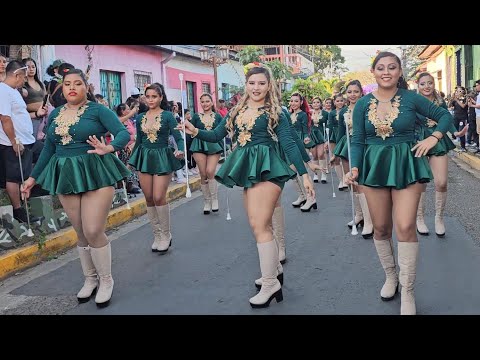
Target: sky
[[357, 57]]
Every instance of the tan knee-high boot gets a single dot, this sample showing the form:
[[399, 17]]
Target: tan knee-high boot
[[166, 236], [323, 165], [278, 224], [440, 201], [387, 259], [358, 211], [315, 173], [302, 197], [102, 258], [258, 282], [207, 200], [88, 268], [213, 187], [367, 231], [339, 172], [271, 288], [422, 228], [407, 259], [153, 217]]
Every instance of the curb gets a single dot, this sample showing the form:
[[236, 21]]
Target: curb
[[30, 255], [471, 160]]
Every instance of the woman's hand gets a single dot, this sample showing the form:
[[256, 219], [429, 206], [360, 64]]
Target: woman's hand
[[422, 147], [26, 187], [314, 167], [332, 160], [100, 147], [462, 132], [179, 154], [187, 127], [351, 177], [308, 185], [306, 140]]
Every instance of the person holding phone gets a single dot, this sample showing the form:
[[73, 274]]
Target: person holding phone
[[35, 96]]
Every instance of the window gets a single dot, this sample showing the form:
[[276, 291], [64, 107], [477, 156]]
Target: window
[[5, 50], [141, 78], [439, 78], [206, 88]]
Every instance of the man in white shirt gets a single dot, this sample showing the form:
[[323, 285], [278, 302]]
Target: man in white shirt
[[15, 123]]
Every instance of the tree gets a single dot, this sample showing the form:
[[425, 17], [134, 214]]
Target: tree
[[279, 70], [324, 56], [249, 54], [365, 77], [412, 60]]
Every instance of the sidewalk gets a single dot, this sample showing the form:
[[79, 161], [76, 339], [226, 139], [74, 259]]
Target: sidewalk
[[469, 158], [21, 258]]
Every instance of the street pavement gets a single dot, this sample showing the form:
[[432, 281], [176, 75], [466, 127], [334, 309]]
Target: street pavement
[[212, 264]]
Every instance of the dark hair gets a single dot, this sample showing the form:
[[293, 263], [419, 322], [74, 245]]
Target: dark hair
[[74, 71], [402, 83], [131, 101], [12, 66], [221, 101], [186, 111], [121, 108], [67, 68], [27, 85], [210, 96], [100, 96], [158, 88], [355, 83]]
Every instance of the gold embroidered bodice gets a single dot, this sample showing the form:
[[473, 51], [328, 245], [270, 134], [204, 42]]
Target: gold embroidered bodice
[[64, 122], [383, 128]]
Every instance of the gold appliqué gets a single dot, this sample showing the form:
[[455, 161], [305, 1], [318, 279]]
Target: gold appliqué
[[293, 117], [316, 117], [245, 125], [65, 123], [207, 121], [151, 129], [347, 117], [383, 128]]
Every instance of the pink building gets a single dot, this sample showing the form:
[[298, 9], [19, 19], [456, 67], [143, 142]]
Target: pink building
[[116, 69]]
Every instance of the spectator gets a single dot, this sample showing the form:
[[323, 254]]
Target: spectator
[[3, 65], [101, 100], [35, 93], [222, 108], [15, 124]]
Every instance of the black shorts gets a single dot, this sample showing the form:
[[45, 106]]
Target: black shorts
[[10, 167]]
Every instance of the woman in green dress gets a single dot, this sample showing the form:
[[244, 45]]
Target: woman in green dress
[[334, 118], [81, 170], [353, 92], [207, 154], [259, 126], [393, 169], [437, 156], [155, 162], [301, 122], [319, 121]]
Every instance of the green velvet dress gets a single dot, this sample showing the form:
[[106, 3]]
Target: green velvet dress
[[426, 127], [299, 121], [383, 155], [332, 124], [200, 121], [298, 141], [317, 127], [341, 149], [151, 154], [64, 166], [258, 156]]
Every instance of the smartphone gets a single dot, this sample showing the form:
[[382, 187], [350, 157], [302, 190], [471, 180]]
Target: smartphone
[[45, 99]]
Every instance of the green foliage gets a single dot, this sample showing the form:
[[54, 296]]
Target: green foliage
[[323, 56], [249, 53], [280, 71], [311, 87]]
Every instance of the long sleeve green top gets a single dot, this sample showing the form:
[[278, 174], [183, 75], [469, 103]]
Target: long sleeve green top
[[408, 104], [431, 124], [300, 123], [323, 120], [333, 123], [205, 124], [167, 128], [298, 141], [259, 136], [96, 120]]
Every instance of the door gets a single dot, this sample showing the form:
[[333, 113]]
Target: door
[[110, 88], [191, 104]]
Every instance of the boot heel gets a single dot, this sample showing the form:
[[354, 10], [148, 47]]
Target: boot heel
[[315, 206], [278, 296], [280, 278]]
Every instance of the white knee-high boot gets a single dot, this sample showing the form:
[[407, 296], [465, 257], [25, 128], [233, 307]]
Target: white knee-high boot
[[422, 228], [207, 198], [155, 223], [407, 259], [213, 187], [166, 236], [90, 273], [367, 231], [102, 258], [315, 175], [323, 165], [440, 201], [271, 288], [302, 197], [358, 211], [387, 259]]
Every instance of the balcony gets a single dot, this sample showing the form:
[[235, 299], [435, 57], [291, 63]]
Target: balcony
[[300, 65]]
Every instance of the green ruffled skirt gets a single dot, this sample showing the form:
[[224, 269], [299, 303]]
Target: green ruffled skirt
[[317, 136], [393, 166], [82, 173], [155, 161], [341, 149], [302, 137], [443, 146], [205, 147], [249, 165]]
